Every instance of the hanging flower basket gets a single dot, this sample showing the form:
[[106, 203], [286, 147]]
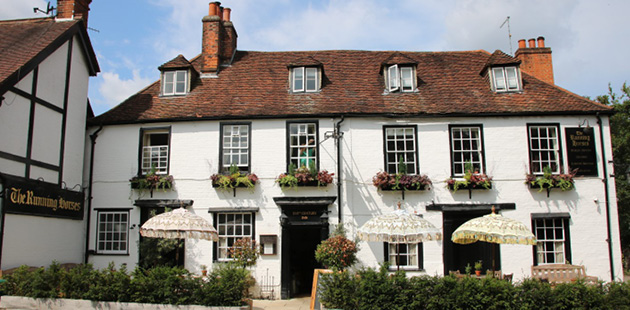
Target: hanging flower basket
[[548, 180], [405, 182], [152, 181], [230, 181]]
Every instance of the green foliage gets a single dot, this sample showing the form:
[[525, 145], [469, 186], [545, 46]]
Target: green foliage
[[337, 252], [620, 136], [472, 179], [152, 181], [233, 178], [549, 180], [304, 176], [244, 252], [226, 285], [372, 289]]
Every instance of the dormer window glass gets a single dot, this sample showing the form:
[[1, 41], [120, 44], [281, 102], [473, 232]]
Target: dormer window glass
[[506, 79], [400, 78], [304, 79], [174, 83]]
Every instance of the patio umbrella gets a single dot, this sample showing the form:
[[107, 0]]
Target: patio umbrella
[[398, 227], [493, 228], [178, 224]]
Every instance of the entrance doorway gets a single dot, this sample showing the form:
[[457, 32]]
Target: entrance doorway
[[457, 256], [159, 251], [303, 241]]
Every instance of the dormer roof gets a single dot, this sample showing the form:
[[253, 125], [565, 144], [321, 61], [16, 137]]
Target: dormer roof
[[179, 62], [307, 61], [398, 58]]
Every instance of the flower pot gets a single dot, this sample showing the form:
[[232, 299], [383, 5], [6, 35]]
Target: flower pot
[[477, 272]]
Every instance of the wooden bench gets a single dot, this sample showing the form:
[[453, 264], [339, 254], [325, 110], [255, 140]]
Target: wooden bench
[[561, 273]]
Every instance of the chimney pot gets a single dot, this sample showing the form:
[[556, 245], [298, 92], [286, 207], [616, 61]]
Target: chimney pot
[[532, 43], [541, 41], [226, 14], [213, 9], [521, 43]]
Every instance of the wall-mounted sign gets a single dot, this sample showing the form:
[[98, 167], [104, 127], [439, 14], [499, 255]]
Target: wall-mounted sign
[[581, 153], [31, 197]]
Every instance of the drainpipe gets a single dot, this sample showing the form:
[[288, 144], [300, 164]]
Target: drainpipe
[[338, 136], [606, 191], [89, 202]]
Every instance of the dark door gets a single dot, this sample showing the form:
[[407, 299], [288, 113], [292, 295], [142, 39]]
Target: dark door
[[157, 251], [303, 241], [457, 256]]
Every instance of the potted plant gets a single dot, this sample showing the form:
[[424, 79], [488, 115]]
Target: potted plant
[[152, 181], [472, 180], [548, 180], [234, 178], [204, 270], [304, 176], [401, 180], [478, 266], [468, 269], [337, 252]]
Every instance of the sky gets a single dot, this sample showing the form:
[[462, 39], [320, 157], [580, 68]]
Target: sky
[[132, 38]]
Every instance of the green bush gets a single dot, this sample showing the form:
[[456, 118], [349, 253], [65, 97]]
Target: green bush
[[226, 285], [371, 289]]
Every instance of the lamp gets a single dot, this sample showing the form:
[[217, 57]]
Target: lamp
[[588, 129]]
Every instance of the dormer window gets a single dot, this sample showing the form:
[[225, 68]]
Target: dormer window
[[400, 78], [174, 82], [305, 79], [506, 79]]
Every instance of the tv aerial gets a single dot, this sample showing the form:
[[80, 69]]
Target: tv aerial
[[507, 21], [48, 11]]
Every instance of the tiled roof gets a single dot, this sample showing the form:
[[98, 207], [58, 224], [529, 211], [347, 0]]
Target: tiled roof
[[501, 58], [179, 62], [24, 43], [256, 85]]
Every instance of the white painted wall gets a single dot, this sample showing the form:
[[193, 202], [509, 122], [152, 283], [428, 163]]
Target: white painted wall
[[194, 158]]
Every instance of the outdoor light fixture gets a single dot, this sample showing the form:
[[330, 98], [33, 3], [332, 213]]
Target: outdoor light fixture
[[588, 129]]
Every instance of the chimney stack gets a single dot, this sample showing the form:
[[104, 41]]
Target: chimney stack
[[218, 42], [73, 9], [536, 60]]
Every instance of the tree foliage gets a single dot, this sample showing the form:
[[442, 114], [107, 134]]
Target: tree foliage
[[620, 136]]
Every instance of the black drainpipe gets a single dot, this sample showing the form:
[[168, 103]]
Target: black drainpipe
[[338, 136], [606, 190], [89, 202]]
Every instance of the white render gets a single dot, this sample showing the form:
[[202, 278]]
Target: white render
[[194, 157], [37, 240]]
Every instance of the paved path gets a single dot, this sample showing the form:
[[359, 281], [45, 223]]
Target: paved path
[[302, 303]]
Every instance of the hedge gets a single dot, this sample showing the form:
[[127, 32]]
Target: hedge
[[226, 285], [378, 289]]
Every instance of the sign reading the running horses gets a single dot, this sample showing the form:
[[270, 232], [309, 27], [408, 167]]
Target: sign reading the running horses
[[581, 151], [32, 197]]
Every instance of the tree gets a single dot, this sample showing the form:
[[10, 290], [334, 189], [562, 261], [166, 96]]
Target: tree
[[620, 136]]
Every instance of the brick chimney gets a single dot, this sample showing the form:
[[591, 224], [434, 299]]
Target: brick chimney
[[73, 9], [218, 42], [536, 60]]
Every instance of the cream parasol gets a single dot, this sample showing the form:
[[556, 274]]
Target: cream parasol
[[177, 224], [398, 227]]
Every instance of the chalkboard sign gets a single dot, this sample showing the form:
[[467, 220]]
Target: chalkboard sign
[[581, 151], [315, 293]]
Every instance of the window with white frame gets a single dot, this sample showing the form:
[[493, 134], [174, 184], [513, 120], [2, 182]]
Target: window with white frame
[[305, 79], [232, 227], [174, 82], [112, 232], [506, 79], [235, 146], [404, 255], [544, 148], [466, 148], [552, 237], [155, 145], [400, 145], [401, 78], [302, 144]]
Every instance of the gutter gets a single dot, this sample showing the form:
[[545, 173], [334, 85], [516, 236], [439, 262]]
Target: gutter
[[338, 136], [607, 191], [93, 137]]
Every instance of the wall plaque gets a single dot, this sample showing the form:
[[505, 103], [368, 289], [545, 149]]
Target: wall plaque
[[581, 153]]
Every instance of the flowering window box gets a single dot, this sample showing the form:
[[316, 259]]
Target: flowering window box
[[547, 181], [471, 180], [152, 181], [401, 182], [304, 177], [234, 180]]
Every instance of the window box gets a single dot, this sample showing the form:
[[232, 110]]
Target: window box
[[401, 182], [234, 179], [304, 177], [548, 180], [472, 180], [152, 181]]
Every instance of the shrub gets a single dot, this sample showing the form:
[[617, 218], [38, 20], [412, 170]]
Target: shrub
[[337, 252]]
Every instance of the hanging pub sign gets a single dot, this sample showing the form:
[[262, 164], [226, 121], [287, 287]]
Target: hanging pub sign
[[32, 197], [581, 151]]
